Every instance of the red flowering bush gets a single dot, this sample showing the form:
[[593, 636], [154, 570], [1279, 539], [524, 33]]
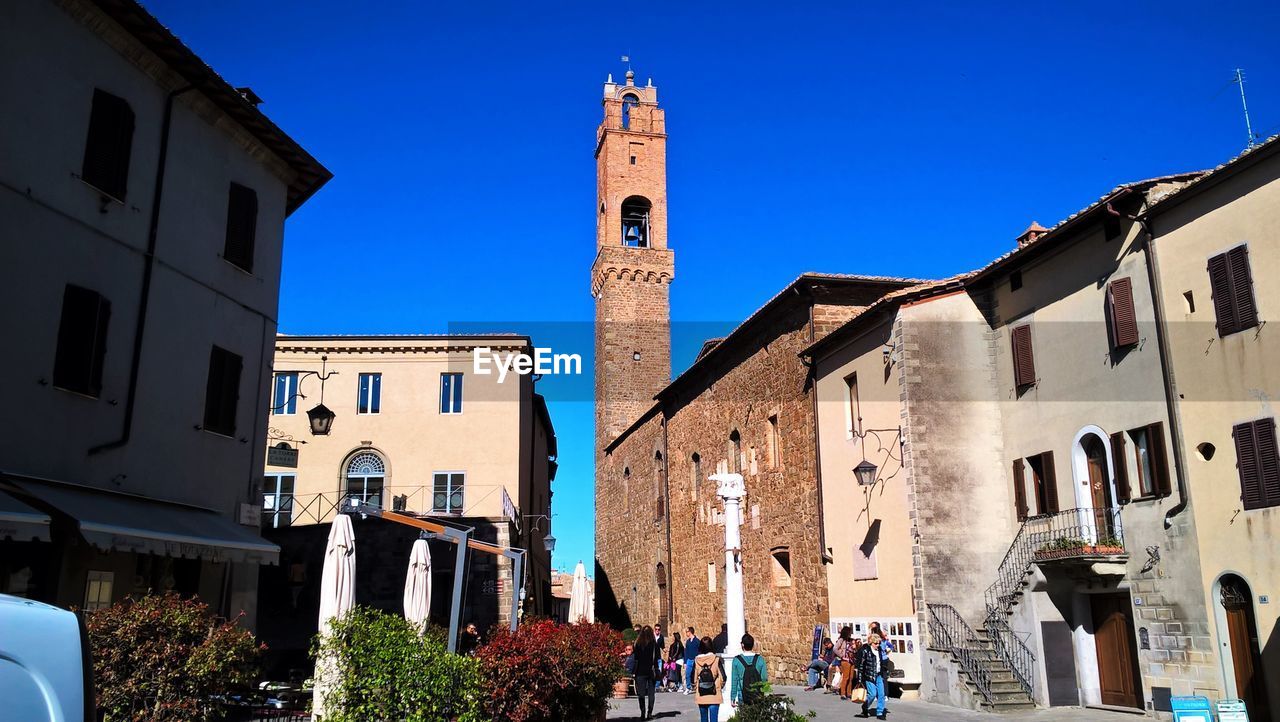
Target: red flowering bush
[[549, 672], [162, 658]]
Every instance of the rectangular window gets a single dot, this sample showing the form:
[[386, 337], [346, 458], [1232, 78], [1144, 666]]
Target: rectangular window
[[864, 564], [1232, 282], [108, 145], [222, 393], [447, 493], [775, 443], [97, 590], [1122, 319], [1258, 463], [1024, 364], [277, 500], [451, 393], [853, 409], [1150, 462], [242, 226], [284, 400], [711, 576], [370, 399], [695, 485], [82, 341], [1142, 455]]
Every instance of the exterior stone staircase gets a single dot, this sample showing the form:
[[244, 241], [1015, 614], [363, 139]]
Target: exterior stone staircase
[[987, 675]]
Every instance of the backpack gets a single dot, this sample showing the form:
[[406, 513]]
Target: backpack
[[706, 680], [750, 680], [630, 664]]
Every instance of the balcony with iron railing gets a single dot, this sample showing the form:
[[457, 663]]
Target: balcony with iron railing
[[284, 509]]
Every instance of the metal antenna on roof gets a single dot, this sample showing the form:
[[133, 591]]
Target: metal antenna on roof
[[1239, 79]]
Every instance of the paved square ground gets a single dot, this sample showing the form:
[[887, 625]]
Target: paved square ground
[[676, 707]]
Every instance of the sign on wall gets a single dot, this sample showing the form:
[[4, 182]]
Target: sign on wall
[[282, 455]]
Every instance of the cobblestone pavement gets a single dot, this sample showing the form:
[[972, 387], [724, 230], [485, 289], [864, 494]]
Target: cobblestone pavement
[[676, 707]]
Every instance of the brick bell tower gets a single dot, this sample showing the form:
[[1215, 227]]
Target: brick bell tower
[[633, 266]]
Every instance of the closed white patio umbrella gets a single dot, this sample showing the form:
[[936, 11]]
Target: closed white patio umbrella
[[337, 597], [579, 601], [417, 585]]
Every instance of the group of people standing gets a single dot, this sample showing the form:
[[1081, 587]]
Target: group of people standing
[[693, 666], [855, 669]]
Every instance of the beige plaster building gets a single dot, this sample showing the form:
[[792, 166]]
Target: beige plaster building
[[144, 201], [1217, 241], [419, 428]]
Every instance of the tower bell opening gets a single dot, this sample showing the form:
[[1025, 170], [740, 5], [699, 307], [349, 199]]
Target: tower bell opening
[[635, 222]]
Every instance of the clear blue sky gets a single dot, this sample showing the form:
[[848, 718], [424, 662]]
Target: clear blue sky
[[916, 140]]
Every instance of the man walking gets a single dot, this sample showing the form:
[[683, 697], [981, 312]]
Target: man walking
[[691, 651], [749, 671]]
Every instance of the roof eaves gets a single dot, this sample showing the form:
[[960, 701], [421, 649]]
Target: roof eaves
[[889, 302], [1210, 178]]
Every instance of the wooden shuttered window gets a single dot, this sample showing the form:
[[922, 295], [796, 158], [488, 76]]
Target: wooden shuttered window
[[1049, 477], [1122, 320], [242, 225], [1258, 463], [108, 145], [1232, 282], [1024, 365], [82, 341], [1123, 495], [1019, 490], [1159, 459], [222, 393]]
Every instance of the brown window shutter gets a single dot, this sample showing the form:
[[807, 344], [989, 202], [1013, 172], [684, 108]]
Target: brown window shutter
[[1223, 303], [1019, 490], [1264, 431], [1024, 365], [1050, 482], [1122, 467], [1124, 320], [1159, 460], [1242, 304], [242, 223], [1247, 464], [108, 145]]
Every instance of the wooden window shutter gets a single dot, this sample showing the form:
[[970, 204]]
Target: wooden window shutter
[[82, 341], [108, 145], [1122, 468], [1159, 460], [242, 224], [1050, 482], [1024, 365], [1246, 311], [1019, 490], [222, 392], [1220, 283], [1264, 431], [1122, 316]]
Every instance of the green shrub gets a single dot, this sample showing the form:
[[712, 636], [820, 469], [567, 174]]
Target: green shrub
[[161, 658], [386, 671], [549, 672], [771, 708]]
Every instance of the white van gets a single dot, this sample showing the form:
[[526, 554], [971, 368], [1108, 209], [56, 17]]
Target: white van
[[46, 671]]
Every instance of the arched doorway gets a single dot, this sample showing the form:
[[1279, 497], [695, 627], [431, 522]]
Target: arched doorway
[[1100, 496], [1243, 651]]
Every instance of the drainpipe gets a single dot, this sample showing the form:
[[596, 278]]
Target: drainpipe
[[149, 261], [817, 450], [1166, 363], [666, 492]]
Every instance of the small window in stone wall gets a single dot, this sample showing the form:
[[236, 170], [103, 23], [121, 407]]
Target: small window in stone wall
[[781, 567], [775, 443], [711, 576], [695, 486], [735, 452]]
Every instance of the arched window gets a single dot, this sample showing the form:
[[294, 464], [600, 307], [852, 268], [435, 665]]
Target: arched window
[[629, 101], [635, 222], [781, 567], [365, 474], [696, 486], [735, 452]]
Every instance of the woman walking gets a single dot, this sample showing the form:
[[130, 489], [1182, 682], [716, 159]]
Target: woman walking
[[646, 656], [871, 669], [708, 682], [845, 650]]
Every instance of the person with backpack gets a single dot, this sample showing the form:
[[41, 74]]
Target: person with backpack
[[645, 656], [749, 671], [708, 678], [872, 671]]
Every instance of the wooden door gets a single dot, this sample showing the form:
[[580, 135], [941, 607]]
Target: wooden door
[[1117, 657], [1246, 659], [1099, 485]]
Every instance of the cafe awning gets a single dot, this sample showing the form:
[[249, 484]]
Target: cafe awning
[[19, 522], [126, 523]]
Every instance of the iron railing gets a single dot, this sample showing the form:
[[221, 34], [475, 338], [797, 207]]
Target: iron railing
[[286, 509], [1070, 533], [949, 632]]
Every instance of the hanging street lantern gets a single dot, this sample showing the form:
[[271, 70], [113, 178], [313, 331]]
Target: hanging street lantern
[[549, 543], [865, 472], [321, 420]]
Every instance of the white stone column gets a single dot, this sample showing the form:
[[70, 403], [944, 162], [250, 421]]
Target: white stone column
[[731, 490]]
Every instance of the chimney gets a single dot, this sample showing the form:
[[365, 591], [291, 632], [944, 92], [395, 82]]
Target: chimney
[[1033, 232]]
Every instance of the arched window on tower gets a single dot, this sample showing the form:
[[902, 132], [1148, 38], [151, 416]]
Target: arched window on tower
[[629, 101], [635, 222], [735, 452]]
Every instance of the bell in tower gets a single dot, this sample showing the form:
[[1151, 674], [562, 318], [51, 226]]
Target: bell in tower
[[635, 222]]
